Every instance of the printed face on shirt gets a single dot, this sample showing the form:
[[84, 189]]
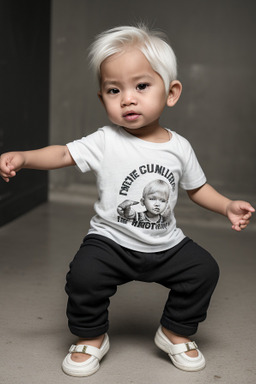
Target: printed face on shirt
[[133, 94], [155, 203]]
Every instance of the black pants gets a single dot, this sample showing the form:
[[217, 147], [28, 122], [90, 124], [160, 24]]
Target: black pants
[[101, 265]]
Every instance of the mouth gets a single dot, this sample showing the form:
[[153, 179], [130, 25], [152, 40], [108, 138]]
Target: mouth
[[131, 116]]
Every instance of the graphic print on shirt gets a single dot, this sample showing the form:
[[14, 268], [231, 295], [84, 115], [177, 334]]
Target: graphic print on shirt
[[147, 197]]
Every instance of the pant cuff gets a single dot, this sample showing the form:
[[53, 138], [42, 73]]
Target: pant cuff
[[180, 329], [87, 333]]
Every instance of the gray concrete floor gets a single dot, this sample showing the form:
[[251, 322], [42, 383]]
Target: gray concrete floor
[[35, 252]]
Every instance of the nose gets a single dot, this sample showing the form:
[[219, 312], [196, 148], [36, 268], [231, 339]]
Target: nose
[[128, 98]]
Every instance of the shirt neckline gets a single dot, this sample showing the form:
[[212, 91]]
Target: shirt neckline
[[148, 144]]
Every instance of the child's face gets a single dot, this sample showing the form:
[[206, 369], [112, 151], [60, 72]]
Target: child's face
[[132, 92], [155, 203]]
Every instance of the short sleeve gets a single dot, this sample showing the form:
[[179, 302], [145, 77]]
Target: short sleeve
[[192, 176], [88, 151]]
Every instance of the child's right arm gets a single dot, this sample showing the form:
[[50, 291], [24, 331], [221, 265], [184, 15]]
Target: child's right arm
[[52, 157]]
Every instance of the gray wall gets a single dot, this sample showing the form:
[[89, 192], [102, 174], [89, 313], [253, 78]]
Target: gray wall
[[214, 41]]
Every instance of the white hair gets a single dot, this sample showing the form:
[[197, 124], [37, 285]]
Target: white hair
[[151, 43]]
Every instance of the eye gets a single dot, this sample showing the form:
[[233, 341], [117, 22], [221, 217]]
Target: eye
[[142, 86], [113, 91]]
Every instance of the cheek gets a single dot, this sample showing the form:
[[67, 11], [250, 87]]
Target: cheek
[[113, 114], [148, 203], [111, 107], [157, 108]]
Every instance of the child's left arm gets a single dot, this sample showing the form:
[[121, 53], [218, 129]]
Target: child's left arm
[[238, 212]]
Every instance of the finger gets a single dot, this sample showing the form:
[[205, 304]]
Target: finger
[[247, 216], [12, 173], [246, 207], [4, 174], [5, 178], [244, 221], [236, 227], [4, 167], [128, 203], [8, 174], [6, 171], [241, 225]]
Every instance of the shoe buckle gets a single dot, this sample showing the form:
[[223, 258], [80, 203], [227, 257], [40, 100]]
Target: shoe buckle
[[84, 349], [190, 346], [75, 349]]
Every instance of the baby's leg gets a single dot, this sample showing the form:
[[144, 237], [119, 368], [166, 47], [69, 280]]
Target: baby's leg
[[192, 275], [94, 274]]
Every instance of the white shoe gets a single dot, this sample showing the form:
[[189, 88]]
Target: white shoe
[[88, 367], [177, 353]]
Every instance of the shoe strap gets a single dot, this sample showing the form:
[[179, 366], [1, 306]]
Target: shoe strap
[[87, 349], [176, 349]]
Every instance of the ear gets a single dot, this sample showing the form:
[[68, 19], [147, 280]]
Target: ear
[[174, 93], [142, 201], [101, 98]]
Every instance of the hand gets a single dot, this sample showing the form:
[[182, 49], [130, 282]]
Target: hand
[[239, 213], [10, 164], [124, 209]]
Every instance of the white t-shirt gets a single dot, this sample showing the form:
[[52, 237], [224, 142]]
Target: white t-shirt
[[138, 185]]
